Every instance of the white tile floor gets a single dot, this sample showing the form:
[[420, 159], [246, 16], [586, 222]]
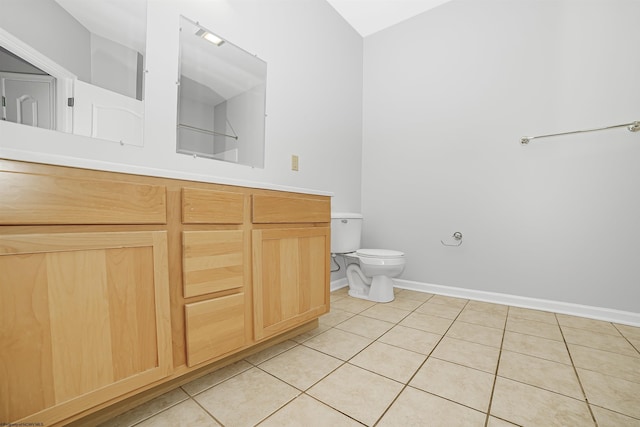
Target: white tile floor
[[422, 360]]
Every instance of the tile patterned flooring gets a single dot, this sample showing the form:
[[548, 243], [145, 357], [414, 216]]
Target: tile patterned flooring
[[421, 360]]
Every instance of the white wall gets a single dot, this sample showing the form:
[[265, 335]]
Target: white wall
[[314, 98], [69, 45], [196, 113], [220, 142], [244, 115], [447, 97], [114, 66]]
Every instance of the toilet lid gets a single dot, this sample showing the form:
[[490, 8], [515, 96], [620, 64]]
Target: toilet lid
[[379, 253]]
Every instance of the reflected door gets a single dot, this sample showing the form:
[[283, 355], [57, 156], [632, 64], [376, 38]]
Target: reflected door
[[28, 99]]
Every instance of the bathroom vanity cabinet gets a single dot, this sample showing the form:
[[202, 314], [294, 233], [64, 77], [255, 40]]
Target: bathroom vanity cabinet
[[215, 262], [113, 285], [289, 266]]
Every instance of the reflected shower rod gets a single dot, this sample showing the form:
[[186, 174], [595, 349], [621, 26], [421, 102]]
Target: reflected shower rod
[[632, 127], [208, 132]]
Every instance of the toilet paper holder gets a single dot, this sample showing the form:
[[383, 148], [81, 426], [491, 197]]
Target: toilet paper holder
[[457, 236]]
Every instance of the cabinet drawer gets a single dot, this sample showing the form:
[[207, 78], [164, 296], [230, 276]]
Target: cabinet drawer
[[276, 209], [212, 207], [212, 261], [214, 327], [40, 199]]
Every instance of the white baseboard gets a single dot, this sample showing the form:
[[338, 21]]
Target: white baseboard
[[339, 284], [599, 313]]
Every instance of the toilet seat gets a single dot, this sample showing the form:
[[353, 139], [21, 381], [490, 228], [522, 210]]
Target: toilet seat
[[379, 257], [379, 253]]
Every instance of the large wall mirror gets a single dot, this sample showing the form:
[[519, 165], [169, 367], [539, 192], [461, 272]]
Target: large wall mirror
[[75, 66], [221, 98]]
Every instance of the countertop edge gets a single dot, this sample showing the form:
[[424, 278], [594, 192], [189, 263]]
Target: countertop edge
[[57, 160]]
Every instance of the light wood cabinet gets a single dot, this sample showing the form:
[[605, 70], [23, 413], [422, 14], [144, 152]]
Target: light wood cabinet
[[213, 261], [113, 285], [84, 317], [42, 199], [201, 206], [290, 276], [214, 327], [291, 262], [270, 209]]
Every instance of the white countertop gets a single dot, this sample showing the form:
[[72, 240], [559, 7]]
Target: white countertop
[[58, 160]]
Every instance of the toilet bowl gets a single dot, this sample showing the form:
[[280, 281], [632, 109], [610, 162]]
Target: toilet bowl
[[370, 276], [371, 271]]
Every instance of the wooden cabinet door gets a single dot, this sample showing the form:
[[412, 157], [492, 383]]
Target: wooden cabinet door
[[214, 327], [84, 317], [290, 277]]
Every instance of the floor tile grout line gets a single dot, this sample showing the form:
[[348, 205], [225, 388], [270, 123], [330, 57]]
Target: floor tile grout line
[[373, 340], [158, 412], [223, 381], [495, 374], [626, 338], [535, 356], [404, 387], [353, 356], [312, 385], [473, 342], [208, 413], [344, 362], [591, 328], [273, 355], [561, 327], [262, 420], [448, 399], [377, 318], [577, 399], [456, 318], [301, 392], [438, 342], [426, 355], [575, 371], [335, 409], [604, 374], [364, 336], [533, 335], [616, 412], [423, 330], [464, 308], [603, 350]]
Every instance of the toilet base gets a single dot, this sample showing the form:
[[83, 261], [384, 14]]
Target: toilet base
[[380, 290]]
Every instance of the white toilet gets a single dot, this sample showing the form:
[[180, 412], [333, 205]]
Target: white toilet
[[370, 277]]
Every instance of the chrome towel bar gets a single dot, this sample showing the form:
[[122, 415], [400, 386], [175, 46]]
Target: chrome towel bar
[[632, 127]]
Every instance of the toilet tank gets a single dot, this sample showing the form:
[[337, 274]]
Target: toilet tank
[[346, 229]]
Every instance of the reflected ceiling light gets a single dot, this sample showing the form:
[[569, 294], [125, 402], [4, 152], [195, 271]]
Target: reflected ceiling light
[[209, 37]]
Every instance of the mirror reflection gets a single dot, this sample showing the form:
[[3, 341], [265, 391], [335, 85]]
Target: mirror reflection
[[221, 98], [75, 66]]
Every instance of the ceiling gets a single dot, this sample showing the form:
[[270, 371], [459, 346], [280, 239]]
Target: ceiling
[[371, 16]]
